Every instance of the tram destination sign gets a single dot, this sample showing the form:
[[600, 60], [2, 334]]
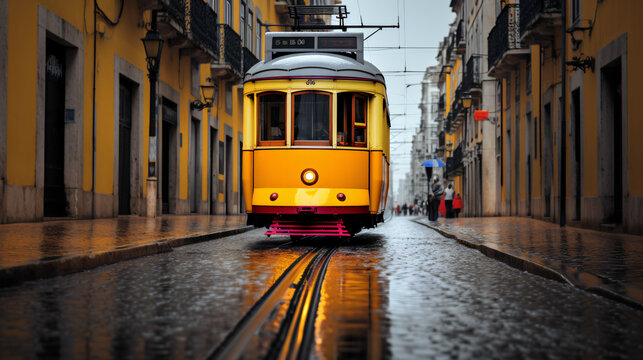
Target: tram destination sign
[[337, 42], [291, 42]]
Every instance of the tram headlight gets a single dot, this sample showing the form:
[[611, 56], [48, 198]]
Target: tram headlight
[[274, 196], [309, 176], [341, 197]]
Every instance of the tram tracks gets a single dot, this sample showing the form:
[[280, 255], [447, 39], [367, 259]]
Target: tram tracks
[[294, 338]]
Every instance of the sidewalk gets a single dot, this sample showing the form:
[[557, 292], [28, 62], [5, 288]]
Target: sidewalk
[[31, 251], [604, 263]]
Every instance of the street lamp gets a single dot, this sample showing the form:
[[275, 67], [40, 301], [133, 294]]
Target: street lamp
[[207, 92], [465, 101], [153, 44]]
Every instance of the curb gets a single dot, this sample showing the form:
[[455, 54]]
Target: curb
[[538, 269], [75, 263]]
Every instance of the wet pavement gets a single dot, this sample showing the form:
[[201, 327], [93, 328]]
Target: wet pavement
[[32, 250], [610, 264], [401, 290]]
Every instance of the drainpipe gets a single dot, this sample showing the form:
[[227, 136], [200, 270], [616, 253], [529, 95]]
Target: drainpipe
[[562, 171]]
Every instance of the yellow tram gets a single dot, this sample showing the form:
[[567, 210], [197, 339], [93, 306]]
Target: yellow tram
[[315, 136]]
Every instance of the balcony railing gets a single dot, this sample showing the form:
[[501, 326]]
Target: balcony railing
[[203, 26], [249, 59], [454, 163], [505, 35], [189, 24], [229, 64], [460, 38], [449, 123], [530, 10], [472, 76], [176, 11]]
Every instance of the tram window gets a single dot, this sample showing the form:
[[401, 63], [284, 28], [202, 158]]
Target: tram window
[[311, 118], [272, 119], [351, 119]]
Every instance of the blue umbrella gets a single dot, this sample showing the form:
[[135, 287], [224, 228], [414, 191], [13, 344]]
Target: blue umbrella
[[433, 163]]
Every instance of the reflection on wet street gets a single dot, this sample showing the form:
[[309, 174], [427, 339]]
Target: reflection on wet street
[[400, 290]]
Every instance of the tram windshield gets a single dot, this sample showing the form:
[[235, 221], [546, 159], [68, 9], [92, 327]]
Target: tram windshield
[[272, 118], [311, 118]]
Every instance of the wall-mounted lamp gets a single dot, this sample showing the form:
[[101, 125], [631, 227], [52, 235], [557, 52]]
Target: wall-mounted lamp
[[582, 25], [465, 101], [578, 62], [207, 92]]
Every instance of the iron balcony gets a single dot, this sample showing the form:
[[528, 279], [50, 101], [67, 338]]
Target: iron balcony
[[187, 25], [454, 163], [229, 65], [539, 20], [249, 59], [461, 38], [505, 48], [472, 81]]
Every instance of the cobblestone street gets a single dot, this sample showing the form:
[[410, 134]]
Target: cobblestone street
[[401, 290]]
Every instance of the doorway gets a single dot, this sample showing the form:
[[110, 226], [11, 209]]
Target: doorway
[[507, 169], [228, 176], [194, 165], [214, 171], [547, 158], [612, 139], [576, 156], [55, 199], [529, 155], [124, 146], [169, 152], [517, 164]]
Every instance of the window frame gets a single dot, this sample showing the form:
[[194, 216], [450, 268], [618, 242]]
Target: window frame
[[330, 120], [250, 18], [243, 8], [359, 125], [258, 119]]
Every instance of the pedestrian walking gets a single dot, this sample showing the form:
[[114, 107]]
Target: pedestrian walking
[[437, 191], [448, 200], [397, 210], [405, 208], [457, 205]]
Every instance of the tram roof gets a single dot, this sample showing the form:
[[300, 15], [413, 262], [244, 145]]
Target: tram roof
[[313, 65]]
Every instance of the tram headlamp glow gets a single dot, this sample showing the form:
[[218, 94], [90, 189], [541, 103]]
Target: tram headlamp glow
[[274, 196], [309, 176], [341, 197]]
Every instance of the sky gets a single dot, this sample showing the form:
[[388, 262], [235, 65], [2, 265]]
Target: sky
[[423, 23]]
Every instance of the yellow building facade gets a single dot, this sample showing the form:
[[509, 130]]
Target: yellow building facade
[[75, 105], [557, 80], [569, 136]]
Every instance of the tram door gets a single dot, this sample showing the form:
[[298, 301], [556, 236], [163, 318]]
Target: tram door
[[55, 200], [124, 146]]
